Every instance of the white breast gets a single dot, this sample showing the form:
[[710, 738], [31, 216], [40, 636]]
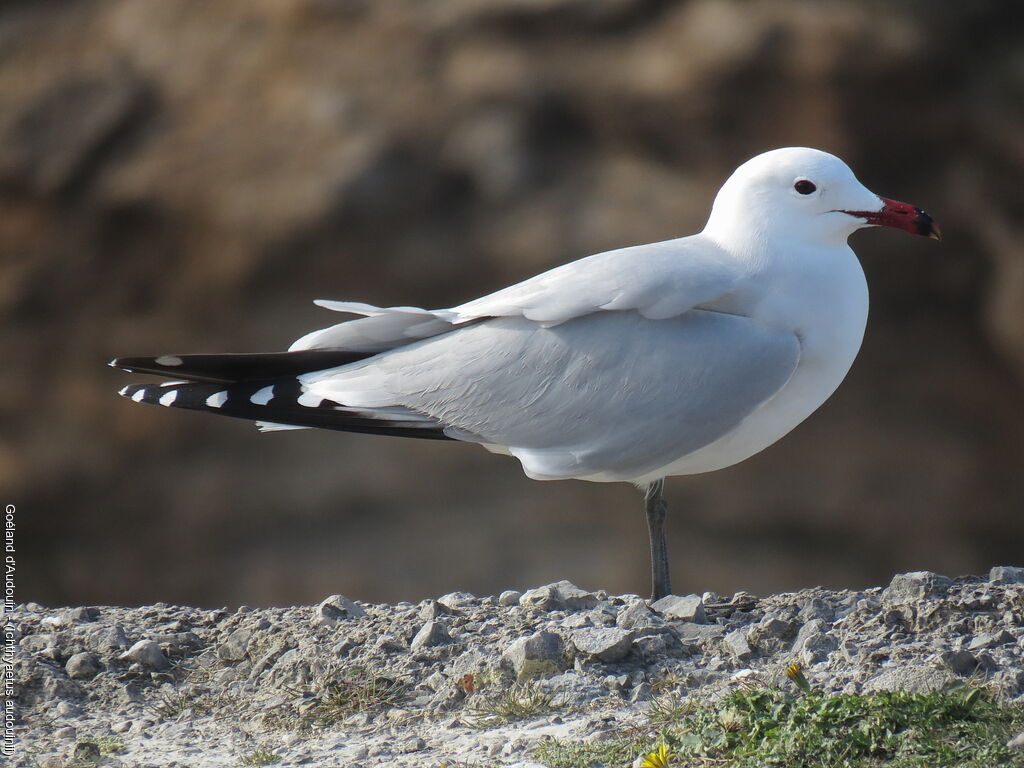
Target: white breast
[[824, 300]]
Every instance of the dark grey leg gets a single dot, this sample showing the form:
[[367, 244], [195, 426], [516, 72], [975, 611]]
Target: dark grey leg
[[656, 509]]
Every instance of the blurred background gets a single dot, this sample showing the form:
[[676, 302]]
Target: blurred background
[[186, 176]]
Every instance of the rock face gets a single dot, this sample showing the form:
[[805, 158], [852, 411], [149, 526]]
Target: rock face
[[180, 176], [355, 692]]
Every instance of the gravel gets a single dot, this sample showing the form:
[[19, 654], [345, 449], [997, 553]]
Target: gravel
[[359, 684]]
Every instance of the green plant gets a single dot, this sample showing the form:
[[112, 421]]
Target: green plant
[[517, 702], [107, 745], [956, 727], [261, 756], [344, 693], [667, 709], [616, 751]]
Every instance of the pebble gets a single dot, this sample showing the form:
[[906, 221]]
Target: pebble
[[68, 709], [432, 609], [457, 601], [917, 585], [986, 639], [509, 597], [540, 655], [813, 642], [148, 654], [960, 662], [411, 744], [636, 615], [389, 643], [103, 640], [640, 693], [770, 634], [430, 634], [82, 666], [736, 643], [235, 646], [607, 644], [82, 614], [338, 608], [562, 595], [682, 608], [816, 608]]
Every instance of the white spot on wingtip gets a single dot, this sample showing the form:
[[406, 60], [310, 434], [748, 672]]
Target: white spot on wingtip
[[123, 391], [169, 398], [271, 426], [263, 396], [309, 400], [139, 396], [217, 399], [169, 360]]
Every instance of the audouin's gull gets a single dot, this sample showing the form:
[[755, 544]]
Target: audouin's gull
[[670, 358]]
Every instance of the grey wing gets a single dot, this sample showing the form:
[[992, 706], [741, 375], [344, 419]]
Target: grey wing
[[610, 393]]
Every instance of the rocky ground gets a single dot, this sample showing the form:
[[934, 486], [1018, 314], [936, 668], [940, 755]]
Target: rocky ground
[[464, 680]]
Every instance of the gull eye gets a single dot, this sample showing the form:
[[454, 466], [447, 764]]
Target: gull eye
[[804, 187]]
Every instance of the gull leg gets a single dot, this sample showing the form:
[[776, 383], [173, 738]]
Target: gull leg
[[656, 509]]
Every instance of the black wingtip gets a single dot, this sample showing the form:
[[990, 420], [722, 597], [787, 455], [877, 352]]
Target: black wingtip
[[232, 368], [274, 403]]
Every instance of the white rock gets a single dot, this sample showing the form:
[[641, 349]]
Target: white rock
[[607, 644], [562, 595], [148, 654], [509, 597], [636, 615], [916, 585], [737, 644], [539, 655], [1006, 574], [337, 608], [682, 607], [432, 633], [235, 645], [82, 666], [455, 601]]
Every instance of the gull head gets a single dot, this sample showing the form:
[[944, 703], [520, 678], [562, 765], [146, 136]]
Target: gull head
[[804, 195]]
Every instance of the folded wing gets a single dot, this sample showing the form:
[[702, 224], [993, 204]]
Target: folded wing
[[610, 394], [658, 280]]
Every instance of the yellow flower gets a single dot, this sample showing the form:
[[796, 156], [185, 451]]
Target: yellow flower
[[657, 759], [795, 672]]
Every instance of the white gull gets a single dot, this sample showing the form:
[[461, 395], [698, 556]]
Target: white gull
[[664, 359]]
